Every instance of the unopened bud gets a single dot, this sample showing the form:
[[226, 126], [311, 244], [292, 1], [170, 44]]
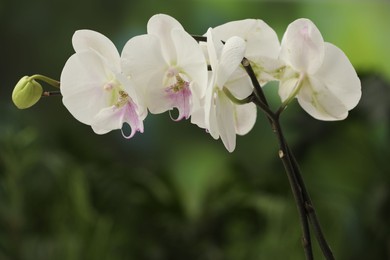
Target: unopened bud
[[26, 93]]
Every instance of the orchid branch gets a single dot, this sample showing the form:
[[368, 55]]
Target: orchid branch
[[296, 189], [302, 199], [236, 100], [256, 85], [51, 93], [310, 209], [199, 38]]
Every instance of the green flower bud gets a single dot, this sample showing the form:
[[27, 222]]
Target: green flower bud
[[26, 93]]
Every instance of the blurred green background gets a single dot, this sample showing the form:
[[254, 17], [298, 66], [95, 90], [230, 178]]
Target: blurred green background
[[173, 192]]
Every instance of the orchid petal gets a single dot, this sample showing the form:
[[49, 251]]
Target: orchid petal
[[156, 97], [198, 111], [133, 92], [231, 57], [287, 87], [191, 60], [84, 40], [161, 26], [302, 46], [266, 69], [264, 42], [239, 84], [245, 118], [181, 100], [212, 123], [260, 38], [213, 48], [225, 121], [210, 113], [82, 81], [142, 61], [319, 102], [111, 118], [132, 118], [339, 76], [107, 119]]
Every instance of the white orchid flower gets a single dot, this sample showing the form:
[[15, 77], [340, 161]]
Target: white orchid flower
[[262, 45], [168, 64], [94, 89], [317, 73], [218, 113]]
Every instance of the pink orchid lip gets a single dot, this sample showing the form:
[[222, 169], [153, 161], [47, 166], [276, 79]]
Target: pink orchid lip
[[130, 116], [127, 111], [179, 95]]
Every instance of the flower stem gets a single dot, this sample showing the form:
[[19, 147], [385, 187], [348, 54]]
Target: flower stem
[[51, 93], [297, 87], [256, 85], [327, 252], [301, 196], [296, 189], [199, 38], [236, 100], [48, 80]]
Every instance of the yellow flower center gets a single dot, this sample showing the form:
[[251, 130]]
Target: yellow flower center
[[117, 96]]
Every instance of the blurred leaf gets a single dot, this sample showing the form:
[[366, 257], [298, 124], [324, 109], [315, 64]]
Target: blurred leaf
[[197, 170]]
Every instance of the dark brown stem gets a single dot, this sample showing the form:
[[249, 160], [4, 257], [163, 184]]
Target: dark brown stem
[[199, 38], [296, 189], [256, 85], [311, 211], [305, 206], [51, 93]]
